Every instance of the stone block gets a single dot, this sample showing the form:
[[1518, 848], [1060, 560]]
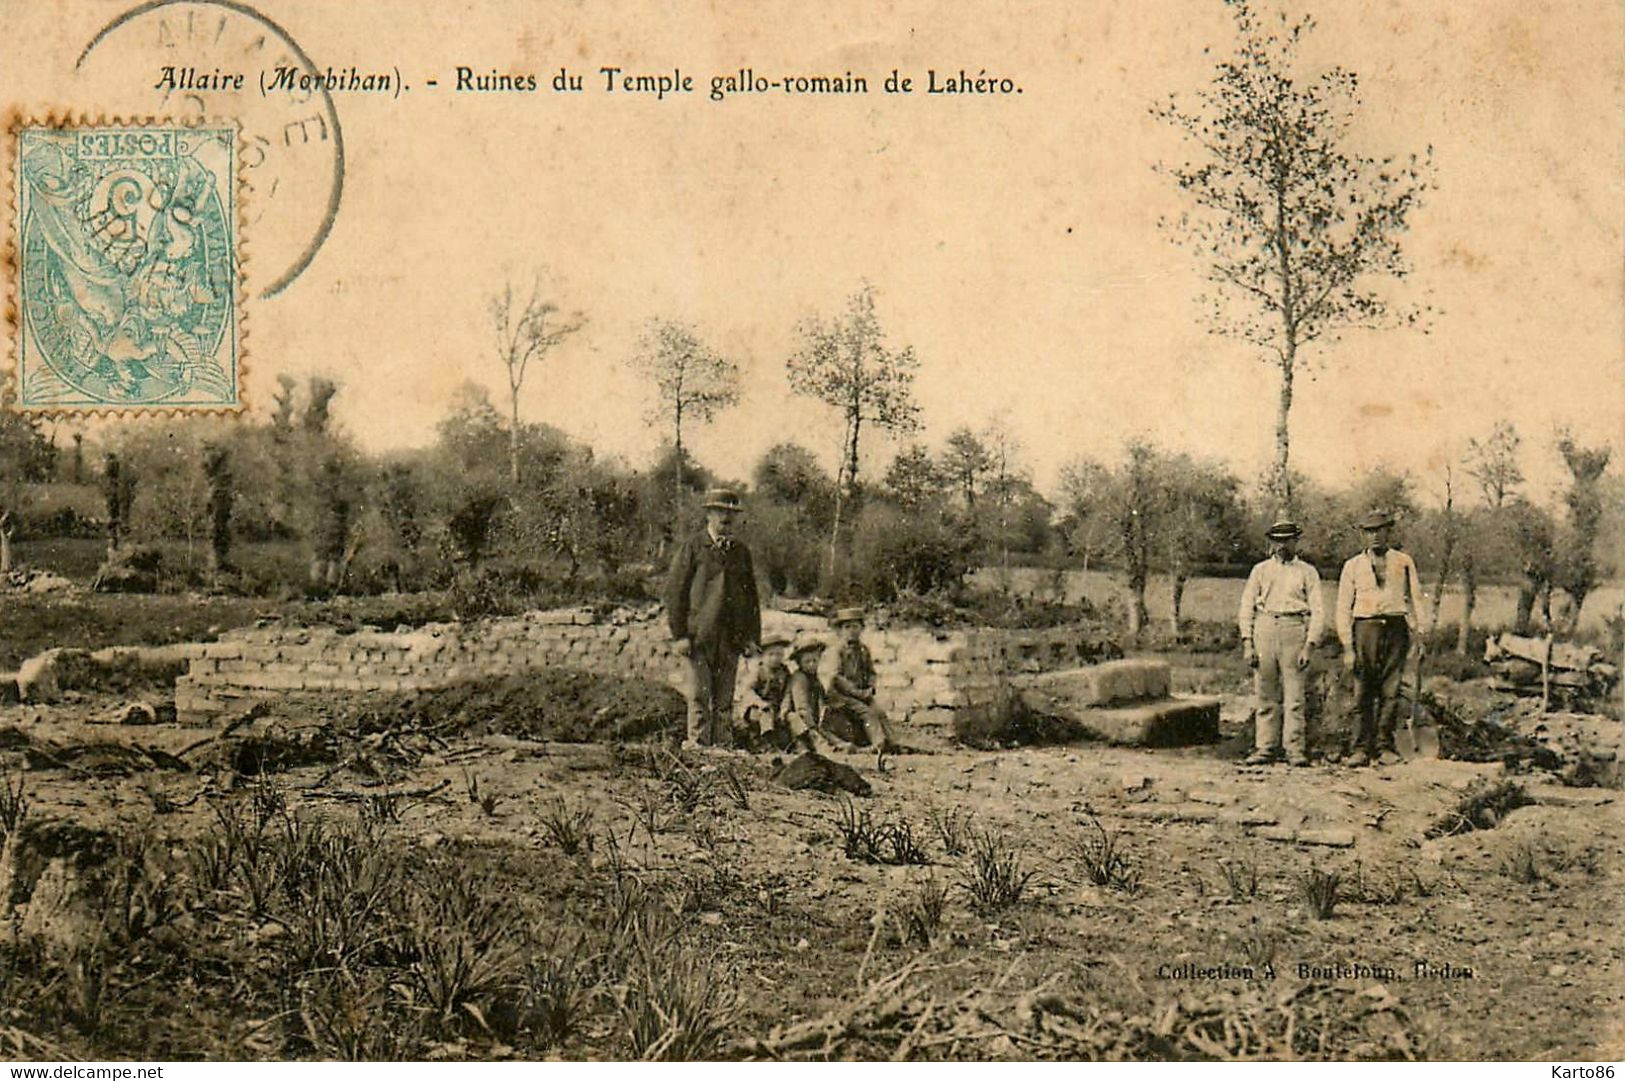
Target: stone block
[[1173, 722], [1111, 683]]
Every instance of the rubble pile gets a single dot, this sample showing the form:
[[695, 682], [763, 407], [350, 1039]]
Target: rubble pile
[[1567, 672]]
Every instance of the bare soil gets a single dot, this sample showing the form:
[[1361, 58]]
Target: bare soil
[[623, 876]]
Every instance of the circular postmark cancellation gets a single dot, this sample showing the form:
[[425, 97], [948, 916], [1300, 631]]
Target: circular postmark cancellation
[[141, 61], [128, 266]]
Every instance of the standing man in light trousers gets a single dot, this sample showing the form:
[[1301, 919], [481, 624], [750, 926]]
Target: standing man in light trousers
[[1282, 617]]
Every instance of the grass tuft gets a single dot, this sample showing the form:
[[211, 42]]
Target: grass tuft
[[1321, 891], [996, 879]]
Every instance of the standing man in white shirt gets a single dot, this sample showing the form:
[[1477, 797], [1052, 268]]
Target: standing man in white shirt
[[1281, 619], [1379, 614]]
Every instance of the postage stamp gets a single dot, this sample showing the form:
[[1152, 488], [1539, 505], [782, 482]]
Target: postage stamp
[[128, 268]]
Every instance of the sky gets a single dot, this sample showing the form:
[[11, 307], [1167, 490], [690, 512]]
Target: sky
[[1012, 240]]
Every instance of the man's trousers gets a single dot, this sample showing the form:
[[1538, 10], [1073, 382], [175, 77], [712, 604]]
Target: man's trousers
[[1278, 684], [712, 669], [1380, 646]]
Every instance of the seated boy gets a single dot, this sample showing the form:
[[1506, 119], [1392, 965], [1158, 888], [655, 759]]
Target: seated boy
[[804, 712], [852, 709], [762, 725]]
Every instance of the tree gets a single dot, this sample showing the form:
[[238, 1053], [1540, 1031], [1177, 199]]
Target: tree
[[1086, 522], [1005, 476], [788, 473], [318, 416], [118, 489], [845, 363], [1197, 518], [1493, 463], [1289, 221], [282, 418], [1132, 504], [913, 479], [1576, 566], [693, 382], [1531, 537], [217, 472], [965, 463], [525, 330]]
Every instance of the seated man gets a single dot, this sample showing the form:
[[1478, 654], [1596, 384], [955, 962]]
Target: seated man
[[853, 714]]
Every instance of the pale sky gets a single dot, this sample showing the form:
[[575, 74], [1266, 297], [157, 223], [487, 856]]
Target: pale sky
[[1012, 240]]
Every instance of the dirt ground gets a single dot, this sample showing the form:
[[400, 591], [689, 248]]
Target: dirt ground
[[1193, 936]]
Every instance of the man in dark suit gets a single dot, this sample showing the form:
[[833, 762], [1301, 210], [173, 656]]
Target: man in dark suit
[[715, 616]]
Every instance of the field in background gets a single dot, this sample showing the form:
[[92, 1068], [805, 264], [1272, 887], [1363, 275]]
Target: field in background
[[1216, 599]]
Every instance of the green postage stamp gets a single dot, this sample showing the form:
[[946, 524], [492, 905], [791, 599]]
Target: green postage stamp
[[127, 267]]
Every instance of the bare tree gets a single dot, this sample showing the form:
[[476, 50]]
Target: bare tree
[[526, 330], [1289, 221], [1493, 463], [693, 381], [845, 364], [1004, 474]]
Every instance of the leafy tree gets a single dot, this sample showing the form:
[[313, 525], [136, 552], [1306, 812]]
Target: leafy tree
[[1132, 505], [913, 479], [845, 363], [693, 382], [966, 463], [318, 414], [1085, 526], [526, 329], [401, 505], [218, 477], [789, 474], [1197, 520], [1291, 224], [1532, 535], [118, 489], [1576, 567], [282, 418]]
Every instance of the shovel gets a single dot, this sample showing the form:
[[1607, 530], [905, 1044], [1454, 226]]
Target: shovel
[[1417, 741]]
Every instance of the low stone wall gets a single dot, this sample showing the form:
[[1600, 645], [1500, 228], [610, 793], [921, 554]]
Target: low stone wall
[[923, 675]]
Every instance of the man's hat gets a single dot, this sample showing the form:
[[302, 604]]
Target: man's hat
[[1377, 519], [1284, 530], [846, 615], [775, 640], [808, 644], [723, 499]]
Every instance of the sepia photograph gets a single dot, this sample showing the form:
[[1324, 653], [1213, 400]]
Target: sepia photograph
[[666, 531]]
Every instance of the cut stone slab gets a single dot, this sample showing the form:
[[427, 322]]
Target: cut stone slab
[[1173, 722], [1330, 838], [1167, 812], [1111, 683]]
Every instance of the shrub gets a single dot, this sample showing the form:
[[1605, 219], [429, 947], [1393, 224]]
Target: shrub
[[895, 554]]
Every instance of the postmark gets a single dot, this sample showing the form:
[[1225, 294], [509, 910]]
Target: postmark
[[128, 266], [293, 142]]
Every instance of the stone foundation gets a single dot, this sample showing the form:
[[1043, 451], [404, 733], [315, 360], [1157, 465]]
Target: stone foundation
[[923, 674]]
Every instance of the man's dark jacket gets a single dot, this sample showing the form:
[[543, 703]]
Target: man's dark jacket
[[711, 594]]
